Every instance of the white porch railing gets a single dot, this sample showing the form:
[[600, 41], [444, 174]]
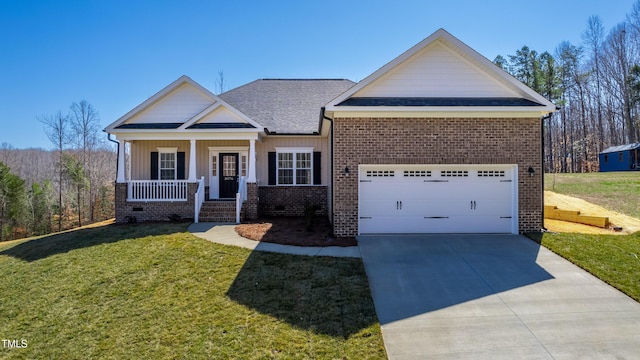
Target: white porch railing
[[241, 196], [157, 190], [199, 198]]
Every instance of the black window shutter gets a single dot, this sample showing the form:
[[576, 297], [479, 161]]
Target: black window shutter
[[317, 173], [154, 165], [272, 168], [181, 166]]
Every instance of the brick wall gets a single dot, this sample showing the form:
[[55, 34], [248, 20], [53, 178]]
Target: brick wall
[[291, 200], [436, 141], [250, 206], [153, 210]]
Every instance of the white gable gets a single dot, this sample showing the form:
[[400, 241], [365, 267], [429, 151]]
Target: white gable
[[178, 106], [436, 71], [440, 66], [221, 115]]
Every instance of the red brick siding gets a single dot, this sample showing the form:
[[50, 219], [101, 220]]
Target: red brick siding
[[250, 206], [436, 141], [291, 200]]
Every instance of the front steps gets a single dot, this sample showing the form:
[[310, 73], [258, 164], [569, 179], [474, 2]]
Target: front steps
[[218, 211]]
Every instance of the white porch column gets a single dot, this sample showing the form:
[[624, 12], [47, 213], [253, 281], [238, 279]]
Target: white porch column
[[192, 162], [120, 178], [251, 178]]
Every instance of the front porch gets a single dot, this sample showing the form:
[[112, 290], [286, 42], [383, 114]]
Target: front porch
[[157, 179]]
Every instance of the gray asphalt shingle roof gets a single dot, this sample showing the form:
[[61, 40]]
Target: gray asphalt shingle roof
[[286, 106], [626, 147]]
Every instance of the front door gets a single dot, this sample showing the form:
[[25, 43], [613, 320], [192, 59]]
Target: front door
[[229, 175]]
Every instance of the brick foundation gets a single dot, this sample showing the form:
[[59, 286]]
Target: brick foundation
[[140, 211], [436, 141], [291, 200]]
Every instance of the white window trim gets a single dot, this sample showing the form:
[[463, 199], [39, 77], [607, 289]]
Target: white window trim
[[168, 150], [214, 191], [294, 151]]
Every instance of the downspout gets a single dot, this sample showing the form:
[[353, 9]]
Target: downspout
[[333, 189], [117, 151], [542, 163]]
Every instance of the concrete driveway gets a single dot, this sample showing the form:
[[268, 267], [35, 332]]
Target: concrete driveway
[[493, 297]]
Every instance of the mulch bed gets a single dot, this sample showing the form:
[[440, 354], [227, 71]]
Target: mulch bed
[[292, 231]]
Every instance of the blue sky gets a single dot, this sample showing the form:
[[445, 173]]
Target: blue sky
[[115, 54]]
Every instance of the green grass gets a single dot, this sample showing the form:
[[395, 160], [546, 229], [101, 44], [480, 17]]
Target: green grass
[[157, 292], [612, 258], [618, 191]]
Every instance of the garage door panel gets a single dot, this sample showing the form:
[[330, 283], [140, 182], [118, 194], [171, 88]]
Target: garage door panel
[[405, 225], [482, 224], [437, 198]]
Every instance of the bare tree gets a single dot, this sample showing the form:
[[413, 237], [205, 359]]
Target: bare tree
[[57, 129], [616, 64], [85, 125], [593, 38], [220, 82]]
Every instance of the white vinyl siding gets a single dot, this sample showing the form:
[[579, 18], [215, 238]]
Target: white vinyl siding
[[180, 105], [436, 71]]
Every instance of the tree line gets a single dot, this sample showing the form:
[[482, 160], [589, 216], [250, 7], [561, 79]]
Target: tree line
[[595, 84], [42, 191]]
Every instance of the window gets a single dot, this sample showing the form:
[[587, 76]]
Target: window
[[380, 173], [606, 158], [243, 166], [620, 156], [295, 166], [167, 163]]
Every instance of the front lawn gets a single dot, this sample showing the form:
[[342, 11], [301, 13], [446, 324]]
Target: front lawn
[[618, 191], [157, 292], [615, 259]]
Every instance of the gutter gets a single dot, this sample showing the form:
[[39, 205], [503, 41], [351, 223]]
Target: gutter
[[315, 133], [117, 151]]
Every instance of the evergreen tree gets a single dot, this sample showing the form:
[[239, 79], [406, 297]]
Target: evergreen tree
[[12, 202]]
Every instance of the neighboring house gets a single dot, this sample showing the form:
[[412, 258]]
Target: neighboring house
[[620, 158], [438, 140]]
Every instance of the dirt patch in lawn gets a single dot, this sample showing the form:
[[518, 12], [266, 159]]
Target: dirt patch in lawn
[[293, 231], [627, 223]]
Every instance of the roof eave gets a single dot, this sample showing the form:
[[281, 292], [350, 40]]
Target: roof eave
[[543, 110], [184, 131]]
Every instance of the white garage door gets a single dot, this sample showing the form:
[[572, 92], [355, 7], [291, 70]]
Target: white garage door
[[437, 199]]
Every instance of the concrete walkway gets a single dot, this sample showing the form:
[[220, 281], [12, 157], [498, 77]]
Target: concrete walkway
[[225, 234], [493, 297]]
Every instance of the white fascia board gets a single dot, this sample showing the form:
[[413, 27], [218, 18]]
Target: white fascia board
[[347, 109], [189, 136], [440, 113]]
